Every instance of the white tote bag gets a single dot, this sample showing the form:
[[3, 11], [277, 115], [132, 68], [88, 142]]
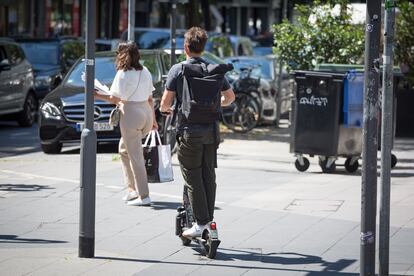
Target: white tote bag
[[157, 159]]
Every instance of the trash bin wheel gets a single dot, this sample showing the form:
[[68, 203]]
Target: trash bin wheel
[[394, 160], [351, 167], [305, 166], [325, 169]]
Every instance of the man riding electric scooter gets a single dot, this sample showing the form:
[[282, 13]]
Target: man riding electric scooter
[[200, 90]]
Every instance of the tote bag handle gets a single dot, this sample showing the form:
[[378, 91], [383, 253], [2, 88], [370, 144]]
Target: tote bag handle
[[152, 136]]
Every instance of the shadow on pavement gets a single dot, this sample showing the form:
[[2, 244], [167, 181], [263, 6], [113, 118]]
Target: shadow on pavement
[[162, 205], [262, 133], [285, 258], [403, 144], [101, 148], [405, 160], [359, 173], [15, 140], [15, 239], [23, 187]]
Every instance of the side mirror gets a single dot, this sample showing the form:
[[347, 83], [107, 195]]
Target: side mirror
[[5, 67]]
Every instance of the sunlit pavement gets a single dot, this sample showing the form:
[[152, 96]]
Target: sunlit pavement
[[272, 220]]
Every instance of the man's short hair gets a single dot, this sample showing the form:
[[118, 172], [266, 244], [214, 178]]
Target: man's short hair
[[195, 39]]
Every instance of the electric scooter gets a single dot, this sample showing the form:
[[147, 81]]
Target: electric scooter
[[184, 220]]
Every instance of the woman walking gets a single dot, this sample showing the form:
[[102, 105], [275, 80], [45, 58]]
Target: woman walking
[[132, 90]]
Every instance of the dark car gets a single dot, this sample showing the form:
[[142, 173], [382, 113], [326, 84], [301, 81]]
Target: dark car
[[51, 60], [17, 98], [62, 111], [102, 45], [217, 44], [151, 38], [266, 69]]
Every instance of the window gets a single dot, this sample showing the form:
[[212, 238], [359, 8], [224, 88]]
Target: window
[[105, 70], [71, 51], [151, 39], [14, 53], [42, 53], [151, 62]]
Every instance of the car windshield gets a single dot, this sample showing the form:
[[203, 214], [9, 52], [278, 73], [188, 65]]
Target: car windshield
[[151, 39], [210, 58], [261, 67], [41, 53], [179, 43], [105, 70]]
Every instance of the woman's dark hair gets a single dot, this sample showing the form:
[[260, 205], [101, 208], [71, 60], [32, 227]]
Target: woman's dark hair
[[128, 56]]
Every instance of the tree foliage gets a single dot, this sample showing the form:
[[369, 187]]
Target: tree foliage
[[404, 42], [323, 34]]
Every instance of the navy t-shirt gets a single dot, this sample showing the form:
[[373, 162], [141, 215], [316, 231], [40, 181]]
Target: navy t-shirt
[[174, 83], [174, 75]]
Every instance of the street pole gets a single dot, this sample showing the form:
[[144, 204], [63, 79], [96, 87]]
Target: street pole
[[386, 137], [88, 145], [280, 73], [173, 30], [370, 138], [131, 20]]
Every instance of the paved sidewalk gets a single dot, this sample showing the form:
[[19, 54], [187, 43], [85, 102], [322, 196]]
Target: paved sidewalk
[[272, 220]]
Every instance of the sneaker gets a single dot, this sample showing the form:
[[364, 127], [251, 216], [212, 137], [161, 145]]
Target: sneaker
[[130, 195], [194, 231], [140, 202]]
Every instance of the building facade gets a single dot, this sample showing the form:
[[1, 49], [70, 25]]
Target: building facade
[[49, 18]]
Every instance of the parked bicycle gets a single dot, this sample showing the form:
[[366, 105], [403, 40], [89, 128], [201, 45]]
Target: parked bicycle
[[244, 113]]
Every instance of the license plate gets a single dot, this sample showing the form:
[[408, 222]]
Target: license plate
[[98, 126], [213, 234]]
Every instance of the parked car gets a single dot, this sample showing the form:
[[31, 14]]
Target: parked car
[[151, 38], [102, 45], [242, 45], [273, 103], [262, 51], [51, 60], [62, 110], [17, 97], [217, 44]]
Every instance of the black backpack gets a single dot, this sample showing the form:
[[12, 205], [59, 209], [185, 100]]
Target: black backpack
[[201, 92]]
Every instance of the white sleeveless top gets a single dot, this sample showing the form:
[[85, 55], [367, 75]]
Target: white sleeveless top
[[132, 85]]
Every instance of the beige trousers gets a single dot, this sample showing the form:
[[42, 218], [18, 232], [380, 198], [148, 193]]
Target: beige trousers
[[135, 123]]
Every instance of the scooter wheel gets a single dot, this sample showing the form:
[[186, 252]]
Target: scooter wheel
[[185, 241], [303, 167], [210, 246]]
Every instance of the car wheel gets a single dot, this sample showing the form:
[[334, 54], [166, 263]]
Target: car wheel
[[53, 148], [27, 116]]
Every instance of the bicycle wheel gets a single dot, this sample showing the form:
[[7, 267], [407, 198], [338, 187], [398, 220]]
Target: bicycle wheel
[[227, 115], [246, 113]]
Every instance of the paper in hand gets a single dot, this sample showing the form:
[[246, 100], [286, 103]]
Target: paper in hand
[[99, 87]]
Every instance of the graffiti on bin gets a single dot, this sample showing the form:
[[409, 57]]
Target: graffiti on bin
[[318, 101]]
